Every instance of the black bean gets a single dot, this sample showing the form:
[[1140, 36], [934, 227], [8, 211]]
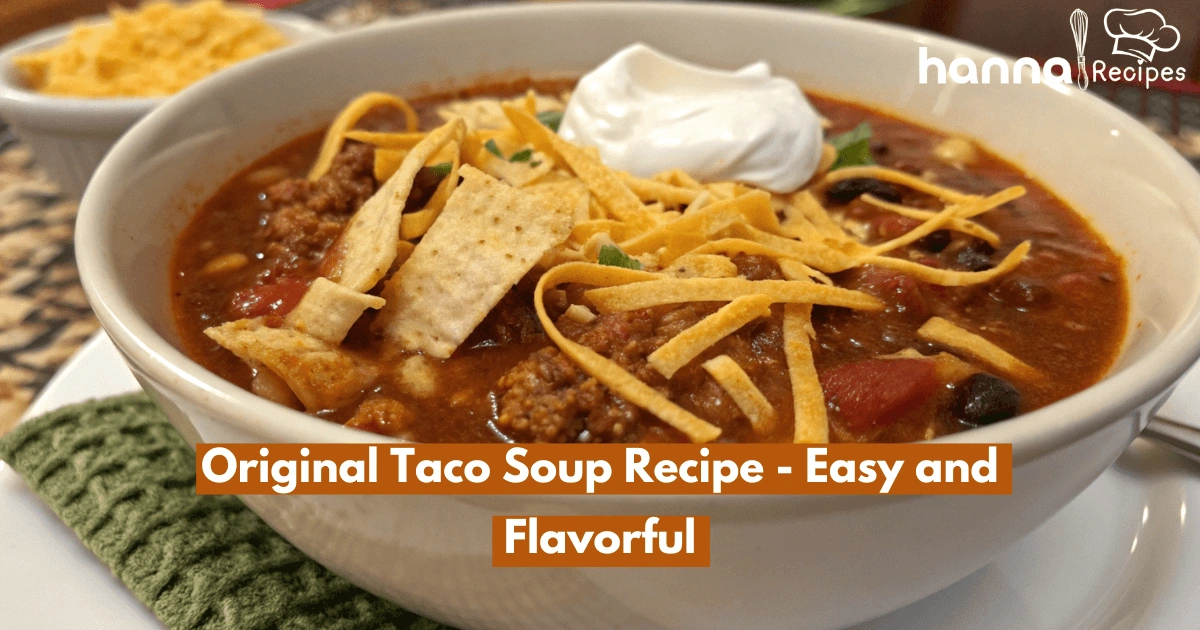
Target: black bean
[[976, 256], [984, 399], [935, 242], [1021, 292], [848, 190]]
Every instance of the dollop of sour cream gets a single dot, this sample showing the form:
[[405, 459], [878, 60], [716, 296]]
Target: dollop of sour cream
[[647, 112]]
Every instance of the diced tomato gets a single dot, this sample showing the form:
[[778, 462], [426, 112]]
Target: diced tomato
[[275, 299], [901, 292], [889, 226], [877, 392]]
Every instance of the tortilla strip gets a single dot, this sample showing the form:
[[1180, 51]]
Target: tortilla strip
[[488, 237], [601, 181], [387, 140], [957, 224], [808, 399], [950, 278], [614, 377], [321, 375], [679, 177], [328, 310], [387, 162], [702, 266], [446, 187], [802, 252], [896, 177], [678, 290], [795, 270], [749, 398], [687, 345], [754, 208], [336, 135], [921, 231], [941, 331], [516, 174], [807, 206], [533, 131], [368, 244], [651, 190]]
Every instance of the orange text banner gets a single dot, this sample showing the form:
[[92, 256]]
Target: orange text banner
[[603, 469]]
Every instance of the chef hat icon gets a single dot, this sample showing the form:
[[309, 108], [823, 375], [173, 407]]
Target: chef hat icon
[[1140, 34]]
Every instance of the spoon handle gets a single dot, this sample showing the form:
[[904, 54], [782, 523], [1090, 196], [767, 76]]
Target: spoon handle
[[1181, 438]]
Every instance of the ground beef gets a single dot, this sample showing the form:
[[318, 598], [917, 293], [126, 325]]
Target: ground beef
[[305, 217], [512, 321], [546, 398]]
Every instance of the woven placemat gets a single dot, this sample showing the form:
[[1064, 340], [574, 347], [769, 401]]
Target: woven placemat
[[124, 480]]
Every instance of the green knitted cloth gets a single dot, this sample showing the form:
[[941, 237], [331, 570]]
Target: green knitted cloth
[[119, 475]]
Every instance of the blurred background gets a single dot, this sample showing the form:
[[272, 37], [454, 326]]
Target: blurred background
[[44, 315]]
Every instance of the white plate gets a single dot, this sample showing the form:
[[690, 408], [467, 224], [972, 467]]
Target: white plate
[[1123, 554]]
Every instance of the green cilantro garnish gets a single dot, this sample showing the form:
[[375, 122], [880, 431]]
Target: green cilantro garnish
[[441, 170], [613, 257], [521, 156], [551, 120], [535, 164], [853, 147], [490, 145]]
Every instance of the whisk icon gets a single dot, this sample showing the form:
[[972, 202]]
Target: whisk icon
[[1079, 23]]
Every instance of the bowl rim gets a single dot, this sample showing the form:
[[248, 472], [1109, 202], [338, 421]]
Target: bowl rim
[[1032, 435], [15, 97]]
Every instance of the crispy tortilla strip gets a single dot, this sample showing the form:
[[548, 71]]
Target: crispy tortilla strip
[[488, 236], [335, 137], [753, 208], [807, 206], [941, 331], [602, 182], [947, 277], [387, 162], [809, 255], [571, 194], [702, 266], [631, 297], [585, 230], [957, 224], [516, 174], [679, 177], [321, 375], [651, 190], [368, 245], [328, 310], [973, 206], [734, 380], [948, 195], [808, 399], [611, 375], [687, 345], [795, 270], [387, 140], [415, 224], [534, 132], [446, 187], [921, 231]]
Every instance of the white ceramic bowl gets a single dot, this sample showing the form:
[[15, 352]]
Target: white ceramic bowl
[[69, 136], [777, 562]]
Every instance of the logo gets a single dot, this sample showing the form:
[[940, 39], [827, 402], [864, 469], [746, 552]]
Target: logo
[[1136, 33], [1139, 34]]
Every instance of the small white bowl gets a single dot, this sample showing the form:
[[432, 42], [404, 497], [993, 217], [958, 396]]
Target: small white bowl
[[69, 136]]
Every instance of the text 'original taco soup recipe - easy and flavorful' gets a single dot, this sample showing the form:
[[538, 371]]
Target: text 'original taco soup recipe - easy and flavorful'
[[548, 260]]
